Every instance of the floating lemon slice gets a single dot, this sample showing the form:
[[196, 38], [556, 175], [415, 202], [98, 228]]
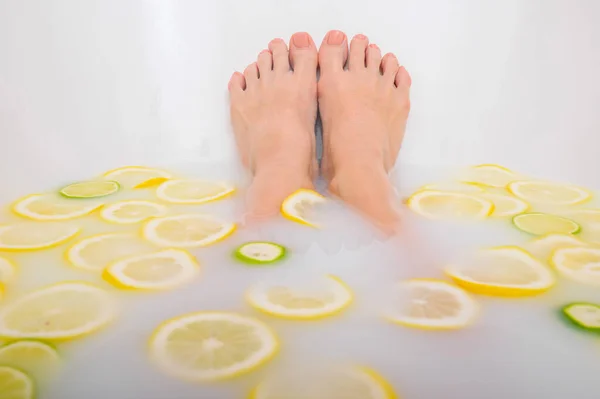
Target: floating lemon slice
[[433, 304], [260, 252], [96, 252], [137, 176], [454, 187], [449, 205], [503, 271], [583, 315], [542, 247], [192, 191], [187, 231], [581, 264], [589, 218], [90, 189], [15, 384], [8, 271], [51, 207], [544, 223], [132, 211], [30, 236], [297, 206], [35, 357], [292, 300], [489, 175], [506, 206], [548, 193], [208, 346], [161, 270], [57, 312]]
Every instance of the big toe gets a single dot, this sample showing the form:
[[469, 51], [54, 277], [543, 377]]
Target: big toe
[[303, 54], [333, 52]]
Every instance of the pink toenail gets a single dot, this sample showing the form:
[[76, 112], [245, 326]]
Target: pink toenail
[[360, 37], [265, 51], [301, 40], [374, 46], [336, 37]]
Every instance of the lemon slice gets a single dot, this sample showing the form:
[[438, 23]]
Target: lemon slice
[[137, 176], [183, 191], [589, 218], [132, 211], [432, 304], [35, 357], [62, 311], [187, 231], [347, 383], [542, 247], [583, 315], [297, 206], [548, 193], [581, 264], [96, 252], [454, 187], [8, 271], [260, 253], [292, 300], [503, 271], [90, 189], [489, 175], [449, 205], [15, 384], [50, 207], [161, 270], [506, 206], [207, 346], [544, 223], [30, 236]]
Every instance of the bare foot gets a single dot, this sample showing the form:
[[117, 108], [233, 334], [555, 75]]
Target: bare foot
[[364, 109], [273, 112]]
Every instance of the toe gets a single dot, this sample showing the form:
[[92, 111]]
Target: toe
[[373, 58], [237, 83], [403, 79], [358, 51], [333, 52], [303, 54], [264, 62], [251, 74], [389, 66], [281, 59]]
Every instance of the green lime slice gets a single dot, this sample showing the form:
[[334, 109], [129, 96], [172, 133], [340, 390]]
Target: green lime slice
[[583, 315], [32, 356], [15, 384], [544, 223], [90, 189], [260, 252]]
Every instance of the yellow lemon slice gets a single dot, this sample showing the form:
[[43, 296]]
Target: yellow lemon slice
[[542, 247], [30, 236], [207, 346], [449, 205], [503, 271], [506, 206], [183, 191], [432, 304], [15, 384], [589, 218], [96, 252], [137, 176], [34, 357], [90, 189], [548, 193], [544, 223], [187, 231], [8, 271], [57, 312], [132, 211], [581, 264], [295, 300], [161, 270], [454, 187], [489, 175], [50, 207], [297, 206]]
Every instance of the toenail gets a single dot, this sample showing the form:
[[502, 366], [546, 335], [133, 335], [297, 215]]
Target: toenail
[[360, 37], [336, 37], [265, 51], [376, 47], [301, 40], [278, 40]]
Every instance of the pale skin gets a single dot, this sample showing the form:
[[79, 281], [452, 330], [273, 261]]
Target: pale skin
[[363, 99]]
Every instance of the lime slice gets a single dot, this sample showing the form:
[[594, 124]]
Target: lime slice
[[584, 315], [260, 252], [34, 357], [544, 223], [91, 189], [15, 384]]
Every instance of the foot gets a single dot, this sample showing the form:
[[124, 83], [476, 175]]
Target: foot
[[273, 113], [364, 109]]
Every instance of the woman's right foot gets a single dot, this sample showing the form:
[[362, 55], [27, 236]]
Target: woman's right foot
[[364, 110]]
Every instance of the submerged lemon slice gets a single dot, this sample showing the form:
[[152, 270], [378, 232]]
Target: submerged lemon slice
[[449, 205], [543, 247], [503, 271], [35, 357], [433, 304], [548, 193], [51, 207], [581, 264], [544, 223], [589, 218], [30, 236], [15, 384], [8, 271], [192, 191], [137, 176], [57, 312], [297, 206], [96, 252], [489, 175], [187, 231], [207, 346], [506, 206], [161, 270], [90, 189], [132, 211], [292, 300]]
